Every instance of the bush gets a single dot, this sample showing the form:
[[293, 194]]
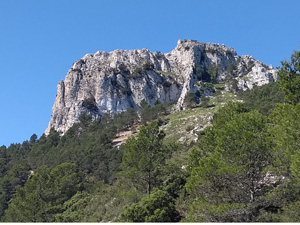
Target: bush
[[90, 104], [125, 119], [204, 102], [190, 100], [189, 128], [212, 72], [233, 85], [156, 207], [149, 113], [231, 68]]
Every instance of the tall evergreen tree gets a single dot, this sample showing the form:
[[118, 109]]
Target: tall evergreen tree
[[144, 156], [289, 78], [228, 174]]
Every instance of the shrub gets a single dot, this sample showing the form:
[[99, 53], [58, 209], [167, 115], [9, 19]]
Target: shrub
[[149, 113], [90, 104], [189, 128], [204, 102], [156, 207], [231, 68], [190, 100]]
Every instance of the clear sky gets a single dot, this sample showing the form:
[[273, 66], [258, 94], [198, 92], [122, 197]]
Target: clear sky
[[40, 39]]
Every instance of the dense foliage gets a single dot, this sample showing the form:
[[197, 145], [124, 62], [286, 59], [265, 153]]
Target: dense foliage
[[243, 168], [144, 170], [228, 169], [263, 98], [290, 79], [56, 178]]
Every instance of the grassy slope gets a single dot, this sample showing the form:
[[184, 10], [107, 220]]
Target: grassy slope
[[184, 125]]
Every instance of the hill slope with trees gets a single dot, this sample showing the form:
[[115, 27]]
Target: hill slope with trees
[[244, 165]]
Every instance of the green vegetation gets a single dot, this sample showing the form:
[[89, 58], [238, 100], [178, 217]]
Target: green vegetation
[[250, 65], [231, 68], [65, 178], [219, 85], [263, 98], [208, 74], [212, 72], [144, 170], [204, 102], [289, 78], [140, 69], [222, 161], [225, 176], [90, 104], [196, 117], [169, 73], [190, 100], [157, 207], [180, 121], [42, 196], [88, 145], [158, 110]]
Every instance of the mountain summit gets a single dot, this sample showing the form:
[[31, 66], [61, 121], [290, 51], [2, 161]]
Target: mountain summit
[[111, 82]]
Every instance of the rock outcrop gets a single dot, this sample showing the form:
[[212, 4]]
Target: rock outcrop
[[111, 82]]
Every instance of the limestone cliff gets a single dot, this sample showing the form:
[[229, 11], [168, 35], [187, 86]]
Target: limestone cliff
[[110, 82]]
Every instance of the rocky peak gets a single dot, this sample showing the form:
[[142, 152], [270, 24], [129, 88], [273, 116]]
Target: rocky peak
[[111, 82]]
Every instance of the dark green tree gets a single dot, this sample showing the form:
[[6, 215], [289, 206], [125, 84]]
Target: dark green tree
[[229, 167], [144, 156], [190, 99], [33, 138], [213, 71], [149, 112], [229, 111], [289, 78], [125, 119], [262, 98], [74, 208], [284, 125], [3, 160], [44, 193], [17, 175], [157, 207]]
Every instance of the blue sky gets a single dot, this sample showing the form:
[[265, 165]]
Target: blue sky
[[39, 41]]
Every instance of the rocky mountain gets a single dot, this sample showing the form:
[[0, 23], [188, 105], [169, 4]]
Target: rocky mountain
[[111, 82]]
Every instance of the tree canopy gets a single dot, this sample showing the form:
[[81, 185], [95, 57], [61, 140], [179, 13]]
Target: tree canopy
[[243, 167], [289, 78], [229, 167], [144, 156]]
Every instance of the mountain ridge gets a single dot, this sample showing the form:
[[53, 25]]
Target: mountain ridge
[[111, 82]]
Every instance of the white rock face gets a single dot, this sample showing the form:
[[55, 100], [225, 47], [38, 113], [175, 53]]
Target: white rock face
[[111, 82], [259, 74]]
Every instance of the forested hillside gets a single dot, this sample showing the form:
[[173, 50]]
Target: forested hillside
[[244, 165]]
